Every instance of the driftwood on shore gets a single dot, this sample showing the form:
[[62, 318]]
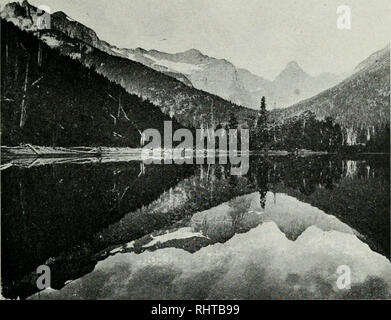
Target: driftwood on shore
[[30, 162], [28, 150], [41, 151]]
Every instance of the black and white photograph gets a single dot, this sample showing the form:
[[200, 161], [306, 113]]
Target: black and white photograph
[[195, 150]]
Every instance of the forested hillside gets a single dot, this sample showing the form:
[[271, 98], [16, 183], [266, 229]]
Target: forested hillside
[[50, 99]]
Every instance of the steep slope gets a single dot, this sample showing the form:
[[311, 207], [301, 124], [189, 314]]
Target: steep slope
[[217, 76], [374, 59], [189, 106], [256, 87], [360, 104], [50, 99]]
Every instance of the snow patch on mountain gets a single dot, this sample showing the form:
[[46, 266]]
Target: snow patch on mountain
[[180, 67], [51, 41]]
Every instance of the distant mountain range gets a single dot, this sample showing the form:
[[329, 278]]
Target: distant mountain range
[[199, 90], [222, 78], [360, 103], [216, 76]]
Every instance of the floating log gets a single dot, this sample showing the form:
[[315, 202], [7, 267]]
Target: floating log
[[28, 150]]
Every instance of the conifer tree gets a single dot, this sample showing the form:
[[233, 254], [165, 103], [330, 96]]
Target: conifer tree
[[232, 124], [262, 135]]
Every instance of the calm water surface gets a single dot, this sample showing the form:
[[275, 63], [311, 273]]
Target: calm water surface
[[73, 214]]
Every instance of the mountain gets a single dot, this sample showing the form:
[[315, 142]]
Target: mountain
[[360, 104], [216, 76], [222, 78], [53, 100], [292, 72], [193, 68], [27, 17], [253, 83], [190, 106], [291, 84], [256, 87]]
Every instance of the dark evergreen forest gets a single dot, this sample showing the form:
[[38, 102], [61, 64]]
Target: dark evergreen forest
[[50, 99]]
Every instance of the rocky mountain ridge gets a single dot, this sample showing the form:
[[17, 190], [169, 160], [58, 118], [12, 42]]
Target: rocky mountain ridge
[[193, 68]]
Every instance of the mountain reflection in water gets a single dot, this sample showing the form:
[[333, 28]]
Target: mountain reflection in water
[[71, 215]]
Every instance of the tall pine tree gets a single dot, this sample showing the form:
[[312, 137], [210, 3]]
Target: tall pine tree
[[262, 135], [232, 124]]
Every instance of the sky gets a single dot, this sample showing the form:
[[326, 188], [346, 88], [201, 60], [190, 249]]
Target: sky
[[259, 35]]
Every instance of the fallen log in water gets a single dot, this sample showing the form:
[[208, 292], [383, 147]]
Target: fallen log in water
[[28, 150]]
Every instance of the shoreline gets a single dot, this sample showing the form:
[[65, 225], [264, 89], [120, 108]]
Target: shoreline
[[32, 151]]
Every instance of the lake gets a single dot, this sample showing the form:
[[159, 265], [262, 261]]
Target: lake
[[134, 231]]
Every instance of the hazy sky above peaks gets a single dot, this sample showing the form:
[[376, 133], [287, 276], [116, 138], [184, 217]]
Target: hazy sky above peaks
[[260, 35]]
